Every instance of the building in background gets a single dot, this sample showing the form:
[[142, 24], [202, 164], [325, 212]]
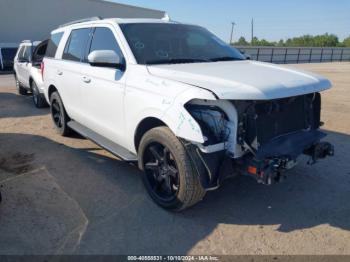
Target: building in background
[[35, 19]]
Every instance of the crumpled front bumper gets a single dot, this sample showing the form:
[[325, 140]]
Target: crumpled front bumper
[[267, 165]]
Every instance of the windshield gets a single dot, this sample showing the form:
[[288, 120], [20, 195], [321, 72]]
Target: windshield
[[158, 43]]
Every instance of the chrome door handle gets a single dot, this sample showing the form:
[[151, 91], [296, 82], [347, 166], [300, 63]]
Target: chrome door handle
[[86, 79]]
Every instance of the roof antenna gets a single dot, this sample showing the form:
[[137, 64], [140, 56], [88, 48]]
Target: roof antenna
[[166, 17]]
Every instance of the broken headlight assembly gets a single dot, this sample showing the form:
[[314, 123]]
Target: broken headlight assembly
[[213, 122]]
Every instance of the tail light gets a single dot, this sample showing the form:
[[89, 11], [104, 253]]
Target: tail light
[[42, 67]]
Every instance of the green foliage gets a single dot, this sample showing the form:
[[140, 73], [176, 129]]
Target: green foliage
[[325, 40], [346, 42], [242, 42]]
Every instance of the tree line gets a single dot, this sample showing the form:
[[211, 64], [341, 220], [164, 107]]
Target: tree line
[[325, 40]]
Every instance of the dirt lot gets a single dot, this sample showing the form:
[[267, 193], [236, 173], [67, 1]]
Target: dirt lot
[[68, 196]]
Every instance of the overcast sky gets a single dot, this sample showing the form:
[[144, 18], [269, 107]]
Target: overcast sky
[[274, 19]]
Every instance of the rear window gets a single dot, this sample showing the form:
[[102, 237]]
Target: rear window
[[53, 44]]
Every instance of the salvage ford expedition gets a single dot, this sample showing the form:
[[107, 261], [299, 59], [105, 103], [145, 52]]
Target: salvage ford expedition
[[188, 108]]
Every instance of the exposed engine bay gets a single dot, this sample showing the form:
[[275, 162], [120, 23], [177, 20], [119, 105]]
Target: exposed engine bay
[[260, 138]]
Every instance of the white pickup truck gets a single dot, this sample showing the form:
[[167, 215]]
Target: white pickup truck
[[188, 108]]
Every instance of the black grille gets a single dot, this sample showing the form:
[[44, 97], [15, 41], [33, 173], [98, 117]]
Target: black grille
[[266, 120]]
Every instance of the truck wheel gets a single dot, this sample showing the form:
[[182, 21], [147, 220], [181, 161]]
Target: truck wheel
[[59, 115], [169, 176], [20, 89], [38, 98]]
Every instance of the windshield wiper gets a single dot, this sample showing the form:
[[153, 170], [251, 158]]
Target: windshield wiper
[[177, 61], [225, 58]]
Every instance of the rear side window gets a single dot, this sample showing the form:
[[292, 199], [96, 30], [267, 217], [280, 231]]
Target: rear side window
[[53, 44], [104, 39], [76, 45], [25, 53], [20, 52]]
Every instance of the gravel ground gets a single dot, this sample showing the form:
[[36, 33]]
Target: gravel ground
[[68, 196]]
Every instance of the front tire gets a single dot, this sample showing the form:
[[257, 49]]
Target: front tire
[[59, 115], [169, 176], [38, 99]]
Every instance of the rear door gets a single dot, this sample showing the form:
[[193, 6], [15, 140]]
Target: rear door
[[52, 59], [19, 64], [24, 63], [103, 89], [70, 72], [37, 58]]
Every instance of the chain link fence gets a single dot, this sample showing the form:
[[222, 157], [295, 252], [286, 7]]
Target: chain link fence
[[295, 55]]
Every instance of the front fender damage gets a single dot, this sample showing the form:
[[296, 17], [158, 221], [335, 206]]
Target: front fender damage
[[261, 139], [212, 158]]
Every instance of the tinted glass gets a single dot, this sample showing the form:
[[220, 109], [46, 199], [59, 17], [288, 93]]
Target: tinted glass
[[53, 44], [20, 52], [39, 51], [27, 52], [104, 39], [8, 53], [77, 44], [176, 43]]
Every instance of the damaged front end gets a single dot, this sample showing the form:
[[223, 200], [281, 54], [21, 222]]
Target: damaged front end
[[260, 138]]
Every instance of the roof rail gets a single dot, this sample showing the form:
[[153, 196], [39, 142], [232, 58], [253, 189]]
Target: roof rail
[[26, 41], [95, 18]]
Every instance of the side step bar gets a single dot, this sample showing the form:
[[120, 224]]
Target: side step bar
[[103, 142]]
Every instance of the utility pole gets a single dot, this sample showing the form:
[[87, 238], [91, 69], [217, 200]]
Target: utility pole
[[231, 38], [252, 31]]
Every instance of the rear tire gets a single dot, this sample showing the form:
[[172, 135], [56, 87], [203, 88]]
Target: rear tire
[[38, 99], [20, 89], [59, 115], [169, 176]]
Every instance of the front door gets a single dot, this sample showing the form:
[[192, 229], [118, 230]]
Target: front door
[[103, 90]]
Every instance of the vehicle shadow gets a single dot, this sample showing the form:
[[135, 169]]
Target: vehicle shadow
[[110, 212], [6, 72], [13, 105]]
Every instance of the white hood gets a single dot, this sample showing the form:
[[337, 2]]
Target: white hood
[[243, 80]]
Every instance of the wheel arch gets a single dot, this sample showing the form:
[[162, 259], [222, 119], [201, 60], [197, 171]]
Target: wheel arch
[[31, 80], [51, 89], [144, 126]]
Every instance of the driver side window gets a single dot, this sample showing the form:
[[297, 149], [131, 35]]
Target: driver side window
[[196, 40], [104, 39]]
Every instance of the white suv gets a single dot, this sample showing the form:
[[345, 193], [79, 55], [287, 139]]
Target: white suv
[[28, 71], [184, 105]]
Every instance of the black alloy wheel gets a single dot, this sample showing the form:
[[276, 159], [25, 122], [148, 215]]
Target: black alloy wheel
[[36, 95], [38, 99], [169, 176], [162, 172], [59, 115]]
